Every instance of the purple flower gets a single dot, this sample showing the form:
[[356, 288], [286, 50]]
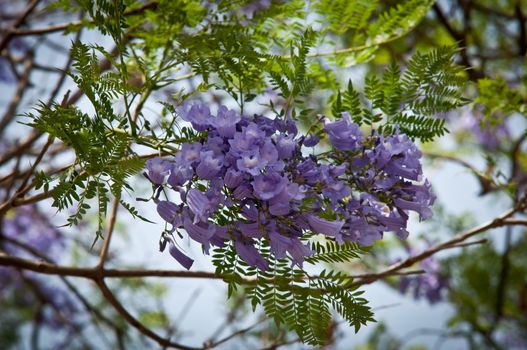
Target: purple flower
[[269, 153], [243, 192], [189, 154], [216, 144], [311, 141], [168, 211], [251, 162], [179, 175], [200, 205], [158, 169], [299, 251], [181, 258], [343, 134], [200, 232], [269, 185], [250, 255], [489, 136], [418, 198], [404, 157], [250, 176], [279, 244], [253, 229], [209, 166], [225, 122], [430, 284], [198, 115], [309, 171], [395, 222], [233, 178], [250, 137], [285, 145], [320, 225]]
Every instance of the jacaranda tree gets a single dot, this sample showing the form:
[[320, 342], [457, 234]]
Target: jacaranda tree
[[286, 139]]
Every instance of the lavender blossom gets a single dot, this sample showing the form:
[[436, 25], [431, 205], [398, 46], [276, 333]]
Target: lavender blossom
[[181, 258], [158, 169], [269, 185], [197, 114], [343, 134], [250, 254]]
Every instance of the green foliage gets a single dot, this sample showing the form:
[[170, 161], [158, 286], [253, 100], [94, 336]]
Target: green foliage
[[294, 298], [432, 84], [333, 252], [365, 27], [291, 78], [343, 15], [498, 100], [488, 290], [398, 20], [107, 15], [103, 156]]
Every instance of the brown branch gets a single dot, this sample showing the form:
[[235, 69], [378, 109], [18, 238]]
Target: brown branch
[[23, 189], [61, 27], [108, 235], [458, 36], [134, 322], [45, 267], [522, 38], [516, 222], [210, 344], [453, 159], [10, 32], [396, 273], [19, 149], [10, 112], [139, 273], [68, 284], [472, 243]]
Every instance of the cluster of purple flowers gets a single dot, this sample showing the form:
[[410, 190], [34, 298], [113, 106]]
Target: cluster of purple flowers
[[490, 137], [28, 226], [429, 285], [251, 179], [248, 11]]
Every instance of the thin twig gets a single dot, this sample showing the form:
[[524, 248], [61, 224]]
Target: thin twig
[[23, 189], [61, 27], [210, 345], [23, 84], [108, 234], [10, 32], [134, 322]]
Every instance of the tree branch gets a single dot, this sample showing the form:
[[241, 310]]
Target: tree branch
[[134, 322], [10, 32], [459, 238]]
